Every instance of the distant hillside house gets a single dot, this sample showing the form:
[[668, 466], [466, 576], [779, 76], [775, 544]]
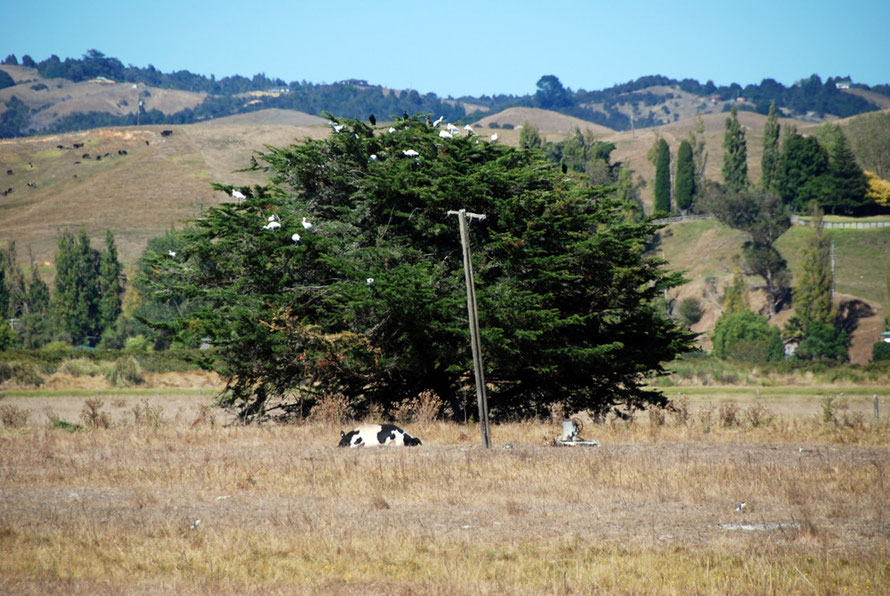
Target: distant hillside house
[[843, 84], [103, 80]]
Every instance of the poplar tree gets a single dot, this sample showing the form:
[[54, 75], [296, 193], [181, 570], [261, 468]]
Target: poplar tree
[[684, 181], [770, 160], [76, 296], [529, 137], [662, 177], [735, 154], [111, 286], [735, 299]]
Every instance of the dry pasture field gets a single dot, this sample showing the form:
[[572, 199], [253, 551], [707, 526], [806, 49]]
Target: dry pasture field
[[282, 510]]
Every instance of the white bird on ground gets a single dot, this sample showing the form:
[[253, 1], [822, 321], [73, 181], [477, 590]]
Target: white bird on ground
[[307, 224], [272, 225], [445, 134], [172, 253], [194, 525], [741, 506], [237, 194], [295, 238], [410, 153], [494, 138], [369, 281], [438, 121]]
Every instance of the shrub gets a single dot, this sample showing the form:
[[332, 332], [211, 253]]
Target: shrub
[[8, 336], [80, 367], [23, 373], [148, 415], [824, 342], [13, 416], [138, 343], [880, 351], [747, 337], [92, 415], [728, 413], [125, 372], [690, 311], [423, 409], [331, 409]]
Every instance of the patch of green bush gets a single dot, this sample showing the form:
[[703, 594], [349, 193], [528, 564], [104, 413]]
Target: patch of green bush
[[23, 373], [125, 372], [747, 337], [880, 351]]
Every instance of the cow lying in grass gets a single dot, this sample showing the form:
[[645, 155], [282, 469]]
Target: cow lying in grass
[[377, 435]]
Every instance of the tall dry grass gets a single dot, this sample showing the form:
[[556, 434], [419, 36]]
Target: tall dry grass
[[113, 510]]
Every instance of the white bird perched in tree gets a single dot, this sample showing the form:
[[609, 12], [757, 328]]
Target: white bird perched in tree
[[273, 218], [295, 238], [452, 129], [307, 224], [172, 253], [272, 225], [410, 153], [334, 126], [494, 138], [445, 134], [369, 281], [373, 157], [237, 194], [438, 121], [391, 130], [469, 129]]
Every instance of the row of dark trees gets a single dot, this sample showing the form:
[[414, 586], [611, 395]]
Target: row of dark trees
[[86, 301], [355, 100]]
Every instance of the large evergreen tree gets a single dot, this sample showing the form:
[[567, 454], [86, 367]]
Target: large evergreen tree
[[662, 177], [369, 300], [735, 154], [770, 160], [684, 182], [801, 175], [849, 184]]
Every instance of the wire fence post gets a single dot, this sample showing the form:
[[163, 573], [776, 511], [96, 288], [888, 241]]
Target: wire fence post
[[473, 315]]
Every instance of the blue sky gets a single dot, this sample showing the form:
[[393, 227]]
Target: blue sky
[[467, 48]]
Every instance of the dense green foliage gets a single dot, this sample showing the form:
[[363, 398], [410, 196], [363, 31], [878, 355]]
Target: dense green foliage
[[829, 176], [684, 182], [369, 301], [6, 80], [822, 341], [880, 351], [88, 287], [662, 190], [735, 154], [747, 337], [529, 137], [812, 294], [24, 304]]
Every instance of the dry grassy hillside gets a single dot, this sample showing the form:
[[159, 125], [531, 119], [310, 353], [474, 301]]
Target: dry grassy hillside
[[545, 120], [66, 97], [159, 182]]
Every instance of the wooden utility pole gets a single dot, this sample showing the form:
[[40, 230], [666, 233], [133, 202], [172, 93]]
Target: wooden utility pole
[[481, 397]]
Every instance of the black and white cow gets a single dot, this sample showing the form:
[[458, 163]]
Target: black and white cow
[[377, 435]]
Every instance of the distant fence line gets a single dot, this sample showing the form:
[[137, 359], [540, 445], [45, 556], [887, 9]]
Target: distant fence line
[[795, 220], [837, 225]]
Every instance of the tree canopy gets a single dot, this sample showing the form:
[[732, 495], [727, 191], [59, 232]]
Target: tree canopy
[[367, 299]]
